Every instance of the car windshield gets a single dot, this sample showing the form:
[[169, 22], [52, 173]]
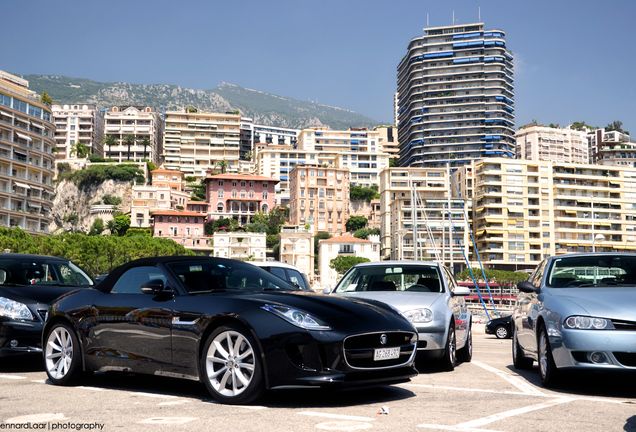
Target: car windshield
[[38, 271], [419, 278], [200, 277], [593, 271]]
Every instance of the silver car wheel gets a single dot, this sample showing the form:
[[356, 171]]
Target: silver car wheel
[[543, 355], [452, 347], [59, 352], [230, 363], [501, 332]]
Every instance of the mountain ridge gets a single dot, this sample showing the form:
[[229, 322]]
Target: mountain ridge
[[263, 107]]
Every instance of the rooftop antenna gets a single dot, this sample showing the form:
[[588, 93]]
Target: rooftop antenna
[[453, 16], [479, 13], [427, 19]]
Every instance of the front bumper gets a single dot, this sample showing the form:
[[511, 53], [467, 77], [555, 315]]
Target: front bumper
[[573, 349], [431, 338], [28, 335]]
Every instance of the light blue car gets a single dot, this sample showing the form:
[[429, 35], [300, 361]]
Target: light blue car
[[577, 311]]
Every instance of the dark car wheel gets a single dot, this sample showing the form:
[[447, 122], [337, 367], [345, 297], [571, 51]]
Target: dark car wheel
[[466, 353], [501, 331], [449, 360], [547, 369], [519, 360], [230, 366], [62, 357]]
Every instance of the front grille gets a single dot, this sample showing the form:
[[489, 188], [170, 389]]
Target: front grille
[[359, 349], [624, 325], [626, 359], [43, 313]]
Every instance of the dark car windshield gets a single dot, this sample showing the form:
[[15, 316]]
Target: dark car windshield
[[225, 275], [593, 271], [422, 278], [16, 271]]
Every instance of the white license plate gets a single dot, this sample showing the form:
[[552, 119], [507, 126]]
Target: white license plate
[[386, 353]]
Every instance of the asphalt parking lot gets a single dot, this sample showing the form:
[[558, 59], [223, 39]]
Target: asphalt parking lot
[[487, 394]]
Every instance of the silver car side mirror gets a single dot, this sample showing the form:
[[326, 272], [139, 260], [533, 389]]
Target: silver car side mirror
[[326, 290], [461, 291]]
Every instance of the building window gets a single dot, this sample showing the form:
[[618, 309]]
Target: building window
[[219, 207], [220, 194]]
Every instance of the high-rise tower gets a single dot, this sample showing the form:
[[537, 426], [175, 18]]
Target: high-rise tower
[[455, 97]]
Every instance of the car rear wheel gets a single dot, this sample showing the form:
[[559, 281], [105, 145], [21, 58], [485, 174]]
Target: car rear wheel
[[547, 369], [502, 332], [449, 360], [62, 354], [466, 354], [519, 360], [230, 366]]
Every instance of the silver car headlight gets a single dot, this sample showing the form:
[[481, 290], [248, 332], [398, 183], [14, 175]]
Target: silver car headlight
[[422, 315], [296, 317], [15, 310], [587, 323]]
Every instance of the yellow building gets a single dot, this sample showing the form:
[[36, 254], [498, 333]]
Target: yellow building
[[26, 156]]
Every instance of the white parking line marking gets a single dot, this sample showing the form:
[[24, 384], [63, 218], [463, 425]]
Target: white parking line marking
[[335, 416], [470, 390], [250, 407], [12, 377], [153, 395], [512, 413], [39, 381], [522, 385], [90, 388], [344, 426], [177, 402], [167, 420]]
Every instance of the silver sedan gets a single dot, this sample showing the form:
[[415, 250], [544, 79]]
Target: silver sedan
[[577, 311], [424, 292]]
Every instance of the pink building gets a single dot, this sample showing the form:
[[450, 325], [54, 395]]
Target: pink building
[[184, 227], [239, 196]]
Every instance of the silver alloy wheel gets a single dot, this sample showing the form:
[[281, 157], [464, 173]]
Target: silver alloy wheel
[[230, 363], [452, 346], [59, 352], [543, 354], [501, 332]]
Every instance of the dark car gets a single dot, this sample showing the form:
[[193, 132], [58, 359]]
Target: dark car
[[500, 327], [28, 285], [233, 326]]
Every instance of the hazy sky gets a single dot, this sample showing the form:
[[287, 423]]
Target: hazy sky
[[575, 59]]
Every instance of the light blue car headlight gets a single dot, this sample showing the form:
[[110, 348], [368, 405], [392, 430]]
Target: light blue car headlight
[[15, 310], [422, 315], [587, 323], [296, 317]]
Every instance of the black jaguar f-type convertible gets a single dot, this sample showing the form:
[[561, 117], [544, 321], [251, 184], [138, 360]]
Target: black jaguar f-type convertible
[[237, 328]]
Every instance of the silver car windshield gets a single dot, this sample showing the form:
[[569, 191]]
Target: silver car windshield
[[419, 278], [593, 271]]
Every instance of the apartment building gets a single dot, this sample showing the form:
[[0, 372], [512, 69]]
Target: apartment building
[[420, 218], [358, 150], [543, 143], [524, 211], [77, 123], [455, 97], [388, 139], [613, 148], [136, 133], [196, 142], [344, 245], [297, 249], [26, 156], [277, 161], [165, 192], [245, 246], [255, 134], [319, 197], [184, 227], [239, 196], [371, 210]]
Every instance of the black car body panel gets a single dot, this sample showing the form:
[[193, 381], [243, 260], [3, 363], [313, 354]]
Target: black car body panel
[[164, 334], [506, 322], [37, 298]]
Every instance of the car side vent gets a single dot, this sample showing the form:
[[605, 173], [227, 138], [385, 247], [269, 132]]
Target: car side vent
[[624, 325]]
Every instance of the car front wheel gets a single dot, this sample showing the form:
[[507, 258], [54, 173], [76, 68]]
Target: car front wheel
[[501, 332], [547, 369], [230, 366], [449, 361], [62, 354], [466, 353]]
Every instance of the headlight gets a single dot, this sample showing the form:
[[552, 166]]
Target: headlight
[[588, 323], [14, 309], [296, 317], [419, 315]]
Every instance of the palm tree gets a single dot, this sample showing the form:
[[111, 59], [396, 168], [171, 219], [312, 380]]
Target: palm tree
[[110, 141], [145, 142], [222, 165], [129, 140], [80, 150]]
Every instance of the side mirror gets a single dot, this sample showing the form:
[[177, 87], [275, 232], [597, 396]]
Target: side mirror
[[154, 287], [461, 291], [326, 290], [527, 287]]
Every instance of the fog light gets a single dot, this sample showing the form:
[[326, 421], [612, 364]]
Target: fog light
[[13, 343], [598, 357]]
